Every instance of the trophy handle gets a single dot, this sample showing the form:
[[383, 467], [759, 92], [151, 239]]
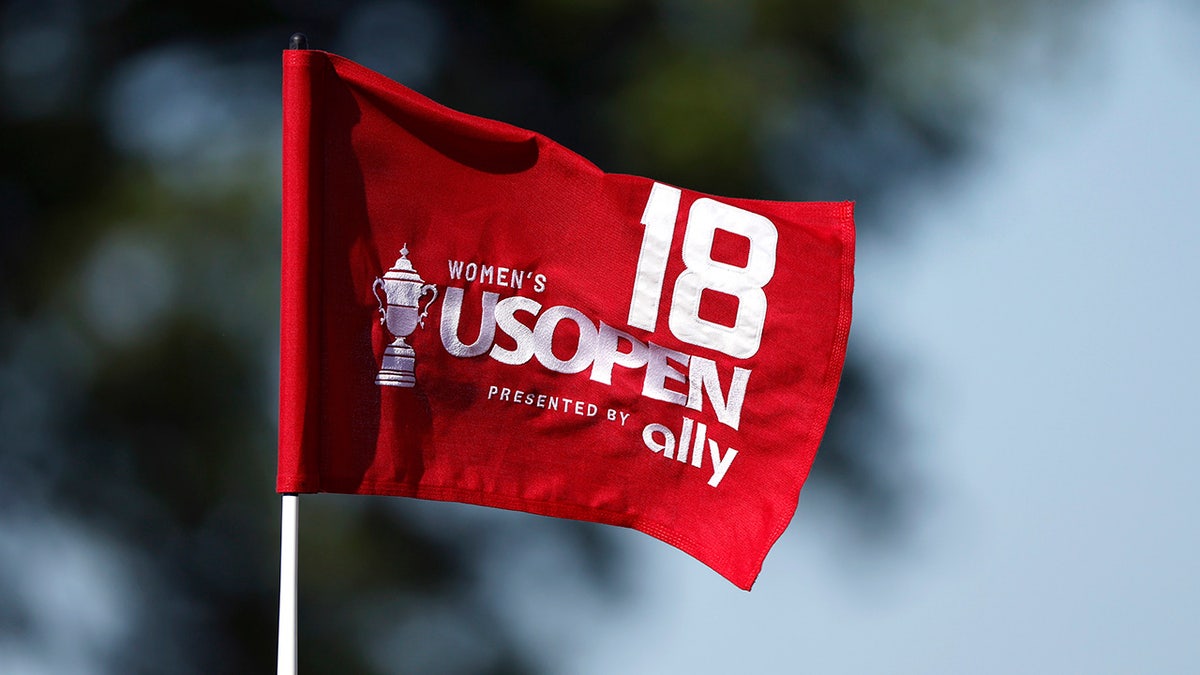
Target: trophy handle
[[382, 301], [425, 312]]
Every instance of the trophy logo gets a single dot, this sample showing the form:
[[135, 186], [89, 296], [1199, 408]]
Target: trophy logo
[[400, 313]]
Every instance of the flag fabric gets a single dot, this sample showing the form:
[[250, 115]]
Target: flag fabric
[[471, 312]]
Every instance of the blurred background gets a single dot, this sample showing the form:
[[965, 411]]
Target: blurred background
[[1009, 479]]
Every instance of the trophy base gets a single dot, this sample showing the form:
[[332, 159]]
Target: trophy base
[[399, 366], [395, 378]]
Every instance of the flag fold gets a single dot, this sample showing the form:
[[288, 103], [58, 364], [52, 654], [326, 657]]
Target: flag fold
[[470, 312]]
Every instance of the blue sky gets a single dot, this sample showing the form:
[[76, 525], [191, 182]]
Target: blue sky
[[1045, 306]]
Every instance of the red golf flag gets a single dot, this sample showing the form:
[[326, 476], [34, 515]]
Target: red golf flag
[[471, 312]]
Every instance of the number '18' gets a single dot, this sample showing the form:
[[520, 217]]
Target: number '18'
[[701, 272]]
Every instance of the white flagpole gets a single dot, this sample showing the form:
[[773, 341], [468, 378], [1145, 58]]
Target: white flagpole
[[287, 584], [289, 537]]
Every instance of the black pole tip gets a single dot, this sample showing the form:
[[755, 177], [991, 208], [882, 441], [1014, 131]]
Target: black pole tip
[[298, 41]]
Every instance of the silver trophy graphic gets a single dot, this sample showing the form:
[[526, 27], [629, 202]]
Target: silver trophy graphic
[[400, 313]]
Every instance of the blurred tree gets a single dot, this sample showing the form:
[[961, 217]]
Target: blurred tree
[[138, 285]]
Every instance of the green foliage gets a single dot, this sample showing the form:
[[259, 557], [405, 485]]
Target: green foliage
[[139, 266]]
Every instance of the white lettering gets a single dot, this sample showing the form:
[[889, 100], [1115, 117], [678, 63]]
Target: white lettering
[[452, 310], [543, 340], [666, 447], [600, 347], [702, 376], [608, 353], [685, 437], [702, 273], [698, 446], [505, 319], [658, 371], [720, 464], [662, 208], [679, 452]]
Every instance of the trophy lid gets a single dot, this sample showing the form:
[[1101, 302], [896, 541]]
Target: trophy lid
[[403, 269]]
